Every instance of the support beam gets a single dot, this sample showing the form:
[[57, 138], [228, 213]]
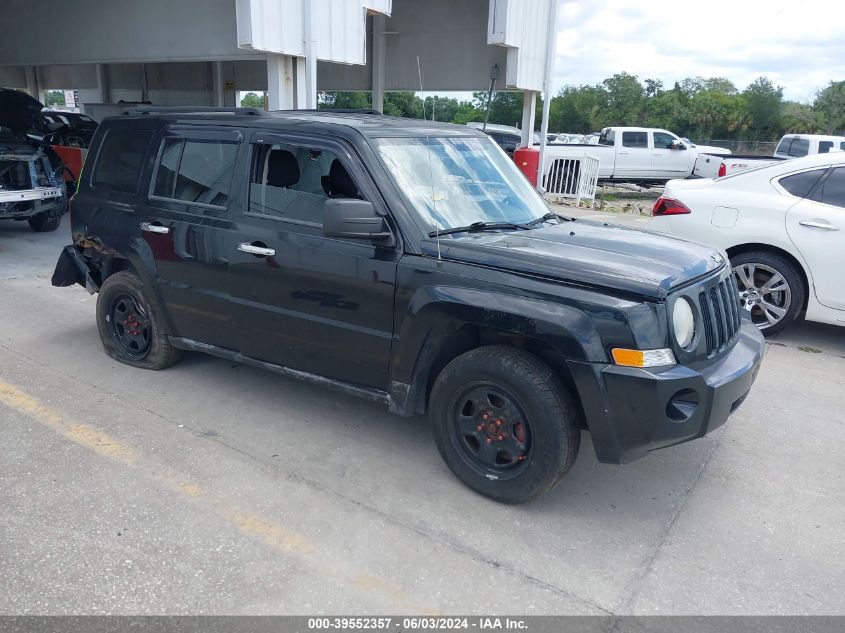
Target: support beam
[[379, 61], [300, 99], [103, 83], [280, 82], [32, 81], [145, 93], [310, 55], [551, 40], [529, 105], [218, 85]]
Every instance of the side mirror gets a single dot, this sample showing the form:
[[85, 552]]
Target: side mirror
[[353, 218]]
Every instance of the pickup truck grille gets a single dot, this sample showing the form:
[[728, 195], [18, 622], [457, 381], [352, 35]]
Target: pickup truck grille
[[719, 306]]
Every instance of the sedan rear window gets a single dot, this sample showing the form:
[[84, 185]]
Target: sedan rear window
[[801, 184]]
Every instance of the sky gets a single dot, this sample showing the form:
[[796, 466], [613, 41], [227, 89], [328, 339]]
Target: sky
[[798, 44]]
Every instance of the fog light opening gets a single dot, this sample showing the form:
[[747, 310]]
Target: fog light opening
[[682, 406]]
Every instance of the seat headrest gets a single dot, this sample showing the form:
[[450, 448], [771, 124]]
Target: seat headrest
[[339, 181], [282, 168]]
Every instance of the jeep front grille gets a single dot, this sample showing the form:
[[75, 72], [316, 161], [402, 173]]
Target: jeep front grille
[[719, 306]]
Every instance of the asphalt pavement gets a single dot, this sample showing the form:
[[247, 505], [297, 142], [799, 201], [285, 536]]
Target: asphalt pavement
[[214, 488]]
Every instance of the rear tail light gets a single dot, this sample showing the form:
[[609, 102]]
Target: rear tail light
[[722, 170], [669, 206]]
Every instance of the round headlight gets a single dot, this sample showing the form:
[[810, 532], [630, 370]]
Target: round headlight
[[683, 322]]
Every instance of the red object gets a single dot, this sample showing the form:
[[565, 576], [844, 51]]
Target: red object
[[669, 206], [528, 161], [722, 170], [73, 157]]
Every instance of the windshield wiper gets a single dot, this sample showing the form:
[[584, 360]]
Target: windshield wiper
[[551, 215], [479, 226]]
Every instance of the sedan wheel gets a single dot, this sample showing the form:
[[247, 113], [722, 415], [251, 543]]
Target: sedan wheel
[[770, 290]]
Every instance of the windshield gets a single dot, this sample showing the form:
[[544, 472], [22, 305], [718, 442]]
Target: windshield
[[456, 181]]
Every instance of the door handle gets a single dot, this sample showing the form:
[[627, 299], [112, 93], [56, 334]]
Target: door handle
[[154, 228], [819, 225], [252, 249]]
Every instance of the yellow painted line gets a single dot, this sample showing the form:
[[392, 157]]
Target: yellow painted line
[[81, 434], [271, 533]]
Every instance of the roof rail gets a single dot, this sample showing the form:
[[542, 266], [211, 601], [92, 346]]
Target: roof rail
[[332, 111], [194, 110]]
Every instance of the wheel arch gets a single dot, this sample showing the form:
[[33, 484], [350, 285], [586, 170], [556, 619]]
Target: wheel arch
[[442, 331]]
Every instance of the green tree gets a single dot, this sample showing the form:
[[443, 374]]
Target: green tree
[[54, 98], [830, 106], [252, 100], [763, 104], [347, 100], [625, 96], [800, 118]]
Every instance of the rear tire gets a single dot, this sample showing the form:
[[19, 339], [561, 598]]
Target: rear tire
[[773, 305], [129, 328], [504, 423], [44, 222]]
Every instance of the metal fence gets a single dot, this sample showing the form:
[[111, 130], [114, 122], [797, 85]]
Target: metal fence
[[572, 178], [760, 148]]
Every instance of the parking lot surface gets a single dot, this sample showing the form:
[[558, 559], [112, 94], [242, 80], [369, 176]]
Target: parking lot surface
[[214, 488]]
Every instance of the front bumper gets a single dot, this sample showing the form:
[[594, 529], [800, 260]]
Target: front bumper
[[632, 411], [22, 204]]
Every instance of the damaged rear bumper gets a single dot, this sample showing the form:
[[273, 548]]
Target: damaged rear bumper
[[73, 269]]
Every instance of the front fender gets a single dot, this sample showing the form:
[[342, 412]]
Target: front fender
[[435, 313]]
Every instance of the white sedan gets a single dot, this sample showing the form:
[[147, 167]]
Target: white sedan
[[783, 228]]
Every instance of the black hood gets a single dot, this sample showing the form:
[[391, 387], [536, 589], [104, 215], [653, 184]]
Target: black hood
[[18, 110], [614, 257]]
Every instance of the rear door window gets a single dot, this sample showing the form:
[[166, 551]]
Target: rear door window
[[635, 139], [825, 146], [195, 171], [832, 189], [120, 159]]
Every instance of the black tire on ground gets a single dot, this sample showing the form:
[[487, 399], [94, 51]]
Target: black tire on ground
[[123, 294], [44, 222], [790, 303], [539, 423]]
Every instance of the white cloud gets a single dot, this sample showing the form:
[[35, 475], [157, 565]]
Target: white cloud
[[799, 45]]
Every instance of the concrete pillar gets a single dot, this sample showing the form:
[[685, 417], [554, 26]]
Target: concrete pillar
[[310, 19], [103, 83], [280, 82], [300, 98], [217, 84], [529, 104], [32, 81], [379, 61]]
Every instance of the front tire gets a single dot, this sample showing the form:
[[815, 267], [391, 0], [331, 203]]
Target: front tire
[[504, 423], [44, 222], [129, 328], [771, 289]]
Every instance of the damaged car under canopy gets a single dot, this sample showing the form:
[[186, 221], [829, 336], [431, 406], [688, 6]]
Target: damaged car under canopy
[[32, 186]]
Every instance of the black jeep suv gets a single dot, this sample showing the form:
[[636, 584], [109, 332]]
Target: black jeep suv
[[409, 263]]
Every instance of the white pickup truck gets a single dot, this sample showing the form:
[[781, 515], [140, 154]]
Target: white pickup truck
[[633, 154], [790, 146]]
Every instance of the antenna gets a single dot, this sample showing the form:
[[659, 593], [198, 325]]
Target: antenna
[[430, 171]]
